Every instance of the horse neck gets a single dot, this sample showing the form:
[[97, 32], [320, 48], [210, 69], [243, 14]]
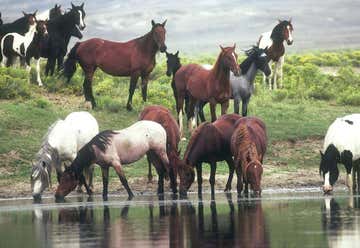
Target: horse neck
[[147, 44], [251, 73], [83, 159], [176, 69], [248, 69], [62, 24], [221, 73], [29, 36], [48, 152]]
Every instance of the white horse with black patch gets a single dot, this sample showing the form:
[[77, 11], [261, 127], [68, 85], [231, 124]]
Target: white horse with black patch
[[342, 145], [61, 144]]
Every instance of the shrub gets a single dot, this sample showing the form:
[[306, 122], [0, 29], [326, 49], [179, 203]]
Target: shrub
[[14, 83]]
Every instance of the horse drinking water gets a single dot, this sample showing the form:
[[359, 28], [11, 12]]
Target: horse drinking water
[[274, 40], [116, 149], [342, 145], [135, 58], [61, 144]]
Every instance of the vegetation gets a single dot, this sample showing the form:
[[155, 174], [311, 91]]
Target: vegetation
[[308, 103]]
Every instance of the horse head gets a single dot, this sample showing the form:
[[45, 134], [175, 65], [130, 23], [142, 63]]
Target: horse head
[[30, 18], [172, 62], [41, 28], [79, 14], [68, 182], [228, 58], [40, 178], [258, 55], [328, 168], [253, 173], [187, 176], [287, 31], [158, 30], [55, 12], [1, 21]]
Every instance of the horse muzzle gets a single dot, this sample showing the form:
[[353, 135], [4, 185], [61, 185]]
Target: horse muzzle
[[168, 73], [37, 198], [289, 42], [327, 189], [236, 71], [163, 48], [59, 198]]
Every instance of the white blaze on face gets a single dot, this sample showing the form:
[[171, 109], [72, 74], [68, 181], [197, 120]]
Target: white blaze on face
[[81, 21], [290, 34], [233, 54], [37, 187], [327, 181], [263, 55]]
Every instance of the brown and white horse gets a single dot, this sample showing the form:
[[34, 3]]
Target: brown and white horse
[[274, 41], [248, 146], [135, 58]]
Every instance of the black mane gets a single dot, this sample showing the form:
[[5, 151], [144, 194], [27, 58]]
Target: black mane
[[251, 54], [20, 26], [277, 32]]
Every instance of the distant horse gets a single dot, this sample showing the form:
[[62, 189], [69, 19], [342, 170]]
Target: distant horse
[[274, 40], [135, 58], [115, 149], [342, 145], [50, 13], [1, 21], [164, 117], [60, 30], [210, 143], [199, 84], [62, 142], [248, 146], [172, 66], [243, 87]]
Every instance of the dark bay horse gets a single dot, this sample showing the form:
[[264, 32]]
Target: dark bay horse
[[20, 26], [164, 117], [115, 149], [274, 41], [248, 146], [172, 66], [135, 58], [210, 143], [213, 86]]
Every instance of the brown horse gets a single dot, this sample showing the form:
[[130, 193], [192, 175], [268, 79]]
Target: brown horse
[[213, 86], [135, 58], [248, 145], [164, 117], [210, 143]]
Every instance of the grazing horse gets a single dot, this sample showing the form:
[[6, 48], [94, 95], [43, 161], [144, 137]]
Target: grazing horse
[[210, 143], [60, 30], [274, 40], [342, 145], [115, 149], [199, 84], [135, 58], [61, 143], [164, 117], [248, 146]]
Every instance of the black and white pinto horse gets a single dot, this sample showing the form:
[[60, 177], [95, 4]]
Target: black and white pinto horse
[[20, 26], [342, 145], [274, 41], [60, 31]]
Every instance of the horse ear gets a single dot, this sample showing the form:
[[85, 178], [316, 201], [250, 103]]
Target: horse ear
[[177, 53], [279, 21], [222, 49], [55, 6], [290, 19], [72, 5], [321, 153], [163, 24], [234, 46], [153, 23], [34, 14], [24, 13], [82, 5]]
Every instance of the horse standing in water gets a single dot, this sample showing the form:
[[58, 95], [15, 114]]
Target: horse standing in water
[[164, 117], [248, 146], [135, 58], [274, 40], [342, 145], [199, 84], [115, 149], [62, 142], [210, 143]]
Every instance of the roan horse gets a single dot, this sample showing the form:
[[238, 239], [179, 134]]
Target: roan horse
[[274, 40], [115, 149], [164, 117], [135, 58], [199, 84], [210, 143], [248, 146], [61, 144], [341, 145]]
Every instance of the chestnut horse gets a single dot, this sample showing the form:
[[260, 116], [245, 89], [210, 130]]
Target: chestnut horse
[[248, 145], [210, 143], [213, 86], [164, 117], [115, 149], [135, 58]]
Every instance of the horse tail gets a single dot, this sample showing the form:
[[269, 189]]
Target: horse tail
[[70, 63]]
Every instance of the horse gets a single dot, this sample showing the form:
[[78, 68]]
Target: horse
[[1, 21], [61, 29], [164, 117], [50, 13], [115, 149], [172, 66], [341, 145], [133, 58], [20, 26], [248, 146], [199, 84], [274, 40], [61, 144], [210, 143]]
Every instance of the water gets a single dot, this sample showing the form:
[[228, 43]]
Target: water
[[196, 27], [277, 220]]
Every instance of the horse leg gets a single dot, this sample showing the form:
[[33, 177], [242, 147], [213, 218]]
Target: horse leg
[[190, 114], [38, 79], [133, 82], [236, 104], [150, 177], [276, 68], [105, 179], [87, 86], [161, 173], [179, 110], [60, 63], [238, 170], [213, 111], [212, 179], [280, 71], [144, 83], [199, 179], [88, 171], [117, 166], [224, 107], [244, 106], [230, 163], [201, 111]]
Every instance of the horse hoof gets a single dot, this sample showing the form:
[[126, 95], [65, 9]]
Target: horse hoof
[[129, 107]]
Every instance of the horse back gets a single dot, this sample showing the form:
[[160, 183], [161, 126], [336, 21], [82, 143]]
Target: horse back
[[226, 125]]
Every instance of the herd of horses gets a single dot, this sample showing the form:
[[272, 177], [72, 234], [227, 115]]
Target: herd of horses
[[239, 140]]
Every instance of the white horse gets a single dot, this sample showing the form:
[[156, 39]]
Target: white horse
[[61, 144], [116, 149], [342, 144]]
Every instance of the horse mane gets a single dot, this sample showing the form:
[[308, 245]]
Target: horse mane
[[246, 147], [276, 34], [19, 22], [218, 64], [46, 136]]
